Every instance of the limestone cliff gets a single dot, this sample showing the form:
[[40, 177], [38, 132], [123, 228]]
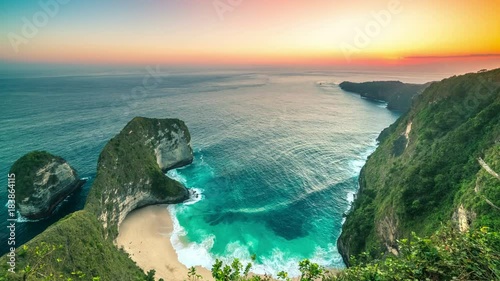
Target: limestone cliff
[[42, 182], [130, 174], [426, 173], [131, 167]]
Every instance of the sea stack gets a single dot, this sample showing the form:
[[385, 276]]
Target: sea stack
[[132, 166], [43, 180]]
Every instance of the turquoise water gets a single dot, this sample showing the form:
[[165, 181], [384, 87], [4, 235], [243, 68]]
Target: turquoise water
[[277, 176], [277, 154]]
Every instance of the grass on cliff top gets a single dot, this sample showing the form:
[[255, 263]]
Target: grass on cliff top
[[128, 161], [72, 248], [398, 95], [455, 121], [25, 169], [128, 157]]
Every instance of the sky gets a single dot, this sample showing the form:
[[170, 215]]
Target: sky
[[252, 32]]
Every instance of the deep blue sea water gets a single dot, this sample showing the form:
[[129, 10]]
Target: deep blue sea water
[[277, 153]]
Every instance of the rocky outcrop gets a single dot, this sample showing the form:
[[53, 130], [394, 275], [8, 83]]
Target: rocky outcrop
[[173, 151], [462, 219], [132, 166], [130, 174], [42, 182], [387, 230]]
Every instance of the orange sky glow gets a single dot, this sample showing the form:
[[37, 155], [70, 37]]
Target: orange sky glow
[[323, 32]]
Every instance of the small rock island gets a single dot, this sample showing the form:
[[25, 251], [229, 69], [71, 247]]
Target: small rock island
[[43, 180]]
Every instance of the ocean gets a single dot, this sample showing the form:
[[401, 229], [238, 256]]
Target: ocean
[[277, 153]]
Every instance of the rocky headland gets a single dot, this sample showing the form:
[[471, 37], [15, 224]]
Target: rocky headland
[[428, 170], [398, 95], [131, 170], [130, 175]]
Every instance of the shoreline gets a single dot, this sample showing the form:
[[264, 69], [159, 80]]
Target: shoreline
[[145, 235]]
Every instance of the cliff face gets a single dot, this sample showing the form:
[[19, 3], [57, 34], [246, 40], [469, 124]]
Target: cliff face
[[428, 171], [398, 95], [131, 167], [42, 182], [130, 174]]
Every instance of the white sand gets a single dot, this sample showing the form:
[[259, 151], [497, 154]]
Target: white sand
[[145, 235]]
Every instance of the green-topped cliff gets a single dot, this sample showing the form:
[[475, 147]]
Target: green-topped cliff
[[130, 174], [398, 95], [131, 170], [431, 168]]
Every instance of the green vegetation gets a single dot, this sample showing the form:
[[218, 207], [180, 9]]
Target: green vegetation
[[236, 272], [127, 166], [398, 95], [426, 179], [446, 255], [416, 183], [72, 249], [25, 169], [80, 247]]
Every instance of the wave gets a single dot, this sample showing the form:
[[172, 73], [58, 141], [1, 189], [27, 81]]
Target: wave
[[195, 196], [173, 174], [356, 164], [21, 219], [200, 254], [190, 254]]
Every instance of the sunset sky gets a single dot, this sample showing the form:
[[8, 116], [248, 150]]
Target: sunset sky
[[225, 32]]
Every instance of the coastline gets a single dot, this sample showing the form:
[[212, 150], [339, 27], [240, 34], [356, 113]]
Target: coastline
[[145, 236]]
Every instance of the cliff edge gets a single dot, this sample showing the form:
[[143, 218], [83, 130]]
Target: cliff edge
[[131, 170], [398, 95], [427, 171], [130, 175]]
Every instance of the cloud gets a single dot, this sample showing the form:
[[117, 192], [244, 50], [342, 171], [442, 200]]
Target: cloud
[[454, 56]]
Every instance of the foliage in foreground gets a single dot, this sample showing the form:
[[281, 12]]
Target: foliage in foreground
[[426, 166], [447, 255], [71, 249]]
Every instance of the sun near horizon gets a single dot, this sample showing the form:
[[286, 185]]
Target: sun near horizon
[[381, 33]]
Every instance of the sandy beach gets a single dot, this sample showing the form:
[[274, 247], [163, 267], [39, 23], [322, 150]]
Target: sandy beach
[[145, 235]]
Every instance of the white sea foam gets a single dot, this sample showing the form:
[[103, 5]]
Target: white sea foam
[[199, 254], [190, 254], [355, 166], [195, 196], [350, 196], [20, 218], [280, 261], [358, 163], [173, 174]]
